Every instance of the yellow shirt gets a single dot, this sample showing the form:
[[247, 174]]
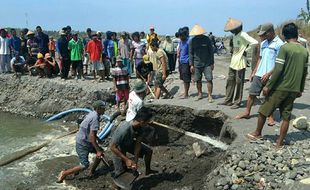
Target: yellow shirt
[[241, 43]]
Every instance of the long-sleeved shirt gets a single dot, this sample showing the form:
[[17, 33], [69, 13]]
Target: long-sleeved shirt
[[201, 51], [241, 43], [62, 48], [290, 69]]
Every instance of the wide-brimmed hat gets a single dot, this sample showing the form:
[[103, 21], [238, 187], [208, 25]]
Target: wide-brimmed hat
[[232, 24], [47, 55], [62, 32], [119, 58], [264, 28], [40, 56], [146, 59], [29, 33], [197, 30], [139, 86], [99, 104]]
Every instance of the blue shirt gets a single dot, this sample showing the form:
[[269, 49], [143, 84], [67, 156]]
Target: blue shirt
[[268, 54], [184, 51], [43, 40], [16, 42], [90, 123]]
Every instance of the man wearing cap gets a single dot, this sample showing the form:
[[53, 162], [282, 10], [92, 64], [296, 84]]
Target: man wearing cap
[[144, 69], [76, 55], [235, 82], [64, 54], [135, 100], [269, 50], [43, 40], [86, 142], [124, 46], [286, 84], [94, 48], [201, 60], [4, 52]]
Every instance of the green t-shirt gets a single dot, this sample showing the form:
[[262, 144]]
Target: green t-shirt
[[290, 69], [76, 49]]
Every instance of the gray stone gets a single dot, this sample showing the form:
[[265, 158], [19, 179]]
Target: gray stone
[[289, 181], [223, 181], [242, 165], [292, 174], [234, 187], [279, 159], [226, 187], [257, 177]]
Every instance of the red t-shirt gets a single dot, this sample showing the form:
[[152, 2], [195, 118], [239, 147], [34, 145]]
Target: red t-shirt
[[94, 47]]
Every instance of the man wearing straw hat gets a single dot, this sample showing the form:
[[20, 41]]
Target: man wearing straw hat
[[235, 82], [201, 59]]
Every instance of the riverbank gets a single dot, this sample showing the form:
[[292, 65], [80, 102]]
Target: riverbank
[[243, 166]]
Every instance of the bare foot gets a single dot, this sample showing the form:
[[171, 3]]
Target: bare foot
[[243, 116], [253, 137], [61, 177]]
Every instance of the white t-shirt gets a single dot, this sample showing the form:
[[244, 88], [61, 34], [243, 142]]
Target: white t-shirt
[[4, 46], [134, 104], [138, 46]]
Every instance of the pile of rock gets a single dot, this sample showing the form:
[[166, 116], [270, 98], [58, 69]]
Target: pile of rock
[[260, 165]]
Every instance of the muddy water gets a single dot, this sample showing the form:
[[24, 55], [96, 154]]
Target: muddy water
[[18, 134]]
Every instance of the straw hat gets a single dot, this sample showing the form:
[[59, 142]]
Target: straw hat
[[29, 33], [232, 24], [197, 30]]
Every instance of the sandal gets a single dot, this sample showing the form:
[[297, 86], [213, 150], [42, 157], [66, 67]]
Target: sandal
[[253, 138]]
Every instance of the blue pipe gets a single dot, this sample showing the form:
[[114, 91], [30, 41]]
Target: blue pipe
[[61, 114], [105, 131]]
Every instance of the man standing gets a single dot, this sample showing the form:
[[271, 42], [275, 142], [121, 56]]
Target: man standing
[[76, 54], [268, 52], [201, 59], [124, 45], [15, 43], [4, 52], [286, 84], [86, 55], [94, 48], [23, 45], [64, 54], [235, 82], [161, 69], [184, 68], [86, 142], [43, 40]]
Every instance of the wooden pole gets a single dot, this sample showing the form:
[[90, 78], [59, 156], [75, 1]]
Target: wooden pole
[[215, 143]]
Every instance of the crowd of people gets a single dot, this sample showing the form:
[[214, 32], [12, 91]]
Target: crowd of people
[[279, 72]]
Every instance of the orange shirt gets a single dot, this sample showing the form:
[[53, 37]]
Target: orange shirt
[[94, 47], [51, 45]]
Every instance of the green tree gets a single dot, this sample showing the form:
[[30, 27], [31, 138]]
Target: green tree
[[305, 15]]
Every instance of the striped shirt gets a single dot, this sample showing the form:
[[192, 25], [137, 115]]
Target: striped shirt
[[121, 78]]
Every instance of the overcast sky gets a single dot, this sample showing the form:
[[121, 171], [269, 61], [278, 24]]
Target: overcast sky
[[138, 15]]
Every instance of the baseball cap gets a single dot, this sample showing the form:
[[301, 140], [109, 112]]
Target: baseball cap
[[264, 28], [99, 104]]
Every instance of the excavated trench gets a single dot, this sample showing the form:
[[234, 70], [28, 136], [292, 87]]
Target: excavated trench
[[173, 153]]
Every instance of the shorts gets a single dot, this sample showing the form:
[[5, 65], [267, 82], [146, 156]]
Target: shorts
[[96, 66], [77, 64], [121, 95], [86, 59], [83, 152], [159, 79], [256, 86], [279, 99], [207, 71], [185, 72], [120, 166]]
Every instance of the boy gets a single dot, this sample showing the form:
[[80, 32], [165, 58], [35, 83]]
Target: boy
[[86, 142], [121, 82]]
